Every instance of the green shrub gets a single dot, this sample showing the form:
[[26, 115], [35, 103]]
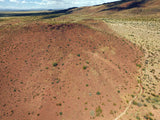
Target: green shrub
[[136, 103], [98, 111], [55, 64], [137, 117], [84, 67], [98, 93], [87, 62], [46, 67], [61, 113], [138, 65], [78, 55]]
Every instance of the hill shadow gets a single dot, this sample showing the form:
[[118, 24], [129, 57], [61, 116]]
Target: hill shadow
[[114, 5], [59, 13]]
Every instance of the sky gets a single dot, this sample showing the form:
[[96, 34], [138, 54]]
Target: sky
[[48, 4]]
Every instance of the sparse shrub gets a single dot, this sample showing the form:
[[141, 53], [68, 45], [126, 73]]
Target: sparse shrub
[[87, 62], [57, 80], [143, 69], [98, 93], [92, 113], [148, 99], [114, 104], [139, 81], [127, 101], [145, 105], [52, 82], [49, 46], [61, 113], [155, 99], [148, 117], [98, 111], [136, 103], [132, 96], [86, 103], [84, 67], [111, 112], [55, 64], [14, 90], [139, 104], [154, 107], [78, 55], [59, 104], [137, 117], [151, 114], [138, 65]]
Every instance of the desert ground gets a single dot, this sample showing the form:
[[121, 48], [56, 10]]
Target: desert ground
[[82, 63], [145, 34]]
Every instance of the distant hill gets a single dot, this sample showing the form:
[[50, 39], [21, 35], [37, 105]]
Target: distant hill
[[26, 10], [35, 12], [123, 7]]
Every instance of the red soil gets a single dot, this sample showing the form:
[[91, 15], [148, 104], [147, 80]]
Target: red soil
[[32, 88]]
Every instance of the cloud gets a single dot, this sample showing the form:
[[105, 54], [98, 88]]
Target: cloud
[[16, 1], [42, 2], [63, 3], [49, 4], [24, 2]]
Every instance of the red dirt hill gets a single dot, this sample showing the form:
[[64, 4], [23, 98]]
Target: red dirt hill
[[66, 71]]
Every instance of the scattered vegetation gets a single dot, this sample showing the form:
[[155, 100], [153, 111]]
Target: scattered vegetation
[[137, 117], [98, 111], [138, 65], [148, 117], [59, 104], [137, 103]]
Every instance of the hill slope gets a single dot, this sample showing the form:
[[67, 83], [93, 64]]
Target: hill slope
[[65, 71], [123, 8]]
